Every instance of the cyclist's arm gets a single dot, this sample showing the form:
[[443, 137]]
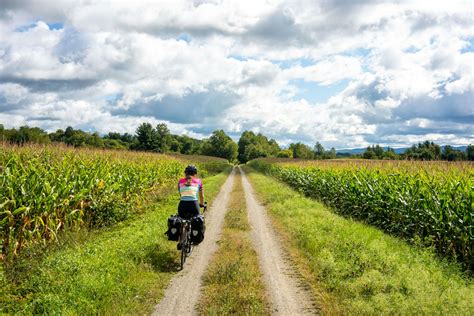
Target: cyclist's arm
[[201, 196]]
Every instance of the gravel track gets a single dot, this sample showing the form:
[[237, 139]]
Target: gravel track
[[287, 296], [183, 292]]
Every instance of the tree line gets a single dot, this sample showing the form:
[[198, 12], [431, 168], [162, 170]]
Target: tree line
[[249, 146], [422, 151]]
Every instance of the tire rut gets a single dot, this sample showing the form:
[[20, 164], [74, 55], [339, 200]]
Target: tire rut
[[287, 296]]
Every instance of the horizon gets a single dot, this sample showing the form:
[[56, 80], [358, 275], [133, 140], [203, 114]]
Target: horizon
[[393, 74], [283, 147]]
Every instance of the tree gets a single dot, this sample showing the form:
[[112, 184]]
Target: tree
[[146, 136], [273, 147], [301, 151], [163, 138], [285, 154], [318, 151], [245, 140], [220, 145], [424, 151], [332, 153], [114, 144], [369, 154], [251, 146], [68, 132], [95, 140], [470, 152], [254, 151], [124, 140], [175, 145], [26, 134], [188, 145], [378, 150], [58, 136], [451, 154], [390, 154]]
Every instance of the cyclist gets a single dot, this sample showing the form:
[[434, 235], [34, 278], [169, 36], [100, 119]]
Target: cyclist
[[191, 194]]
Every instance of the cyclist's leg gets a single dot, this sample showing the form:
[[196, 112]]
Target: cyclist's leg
[[194, 208], [182, 214], [182, 209], [188, 209]]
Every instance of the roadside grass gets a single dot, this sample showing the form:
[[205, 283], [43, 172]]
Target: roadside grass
[[123, 269], [233, 282], [357, 269]]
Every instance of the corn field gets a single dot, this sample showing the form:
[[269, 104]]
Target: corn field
[[429, 203], [46, 190]]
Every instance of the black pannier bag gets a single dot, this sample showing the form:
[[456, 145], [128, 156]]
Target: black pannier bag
[[198, 227], [174, 227]]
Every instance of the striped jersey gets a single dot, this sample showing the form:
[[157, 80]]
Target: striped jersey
[[189, 192]]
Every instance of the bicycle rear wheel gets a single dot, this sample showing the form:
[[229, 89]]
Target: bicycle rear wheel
[[183, 240], [183, 256]]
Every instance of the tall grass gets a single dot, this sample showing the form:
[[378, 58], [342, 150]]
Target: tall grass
[[46, 190], [118, 270], [356, 269], [427, 203]]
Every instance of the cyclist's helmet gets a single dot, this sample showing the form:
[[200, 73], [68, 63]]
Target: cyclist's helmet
[[190, 170]]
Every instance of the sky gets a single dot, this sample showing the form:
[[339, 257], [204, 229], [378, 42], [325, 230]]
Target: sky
[[344, 73]]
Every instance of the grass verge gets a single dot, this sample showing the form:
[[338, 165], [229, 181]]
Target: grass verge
[[123, 269], [357, 269], [233, 283]]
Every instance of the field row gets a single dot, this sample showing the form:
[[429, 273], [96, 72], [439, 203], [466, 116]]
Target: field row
[[429, 204], [45, 190]]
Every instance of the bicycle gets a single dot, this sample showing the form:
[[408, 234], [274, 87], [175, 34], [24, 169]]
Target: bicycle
[[185, 238]]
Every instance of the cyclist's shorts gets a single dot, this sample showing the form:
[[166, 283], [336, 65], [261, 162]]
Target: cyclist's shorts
[[188, 209]]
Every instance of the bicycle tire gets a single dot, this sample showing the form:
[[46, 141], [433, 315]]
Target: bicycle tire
[[183, 240], [183, 257]]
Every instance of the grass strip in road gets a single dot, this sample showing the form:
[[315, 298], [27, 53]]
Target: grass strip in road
[[123, 269], [233, 282], [357, 269]]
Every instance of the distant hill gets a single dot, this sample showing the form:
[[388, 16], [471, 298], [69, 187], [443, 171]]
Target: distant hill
[[355, 151]]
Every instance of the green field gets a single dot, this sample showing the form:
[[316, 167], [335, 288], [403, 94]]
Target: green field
[[428, 203], [47, 190], [356, 269], [82, 233], [122, 267]]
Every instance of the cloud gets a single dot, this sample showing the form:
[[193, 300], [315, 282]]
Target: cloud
[[403, 70], [190, 108], [328, 71]]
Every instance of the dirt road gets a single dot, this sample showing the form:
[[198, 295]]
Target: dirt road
[[287, 296], [182, 294]]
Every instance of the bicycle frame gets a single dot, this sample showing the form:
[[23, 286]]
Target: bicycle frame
[[185, 240]]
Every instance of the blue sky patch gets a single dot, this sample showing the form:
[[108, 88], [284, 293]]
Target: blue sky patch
[[362, 52], [113, 98], [315, 93], [412, 50], [52, 26], [470, 47], [25, 28], [286, 64], [239, 57], [184, 37], [55, 26]]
